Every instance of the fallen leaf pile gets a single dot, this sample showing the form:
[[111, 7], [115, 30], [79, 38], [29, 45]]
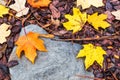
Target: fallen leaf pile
[[95, 24], [29, 43]]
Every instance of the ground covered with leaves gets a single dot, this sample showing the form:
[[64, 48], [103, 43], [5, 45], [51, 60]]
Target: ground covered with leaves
[[95, 24]]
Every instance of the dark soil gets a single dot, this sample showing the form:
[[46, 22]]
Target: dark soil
[[51, 20]]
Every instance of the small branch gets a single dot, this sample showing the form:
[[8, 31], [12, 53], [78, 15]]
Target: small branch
[[24, 19], [8, 2], [14, 16], [82, 76], [46, 35], [89, 39], [114, 76], [45, 27]]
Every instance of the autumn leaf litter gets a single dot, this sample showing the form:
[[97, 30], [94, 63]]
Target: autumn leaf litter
[[99, 27]]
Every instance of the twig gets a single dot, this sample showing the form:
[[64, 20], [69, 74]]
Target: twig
[[8, 2], [89, 77], [44, 27], [14, 16], [46, 35], [114, 76], [89, 39], [24, 19]]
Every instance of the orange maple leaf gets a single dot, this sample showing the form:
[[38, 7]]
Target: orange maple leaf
[[29, 43], [39, 3]]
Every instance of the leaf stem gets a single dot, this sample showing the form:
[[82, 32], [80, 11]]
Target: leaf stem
[[89, 39]]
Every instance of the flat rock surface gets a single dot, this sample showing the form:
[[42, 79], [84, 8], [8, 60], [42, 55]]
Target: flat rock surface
[[59, 63]]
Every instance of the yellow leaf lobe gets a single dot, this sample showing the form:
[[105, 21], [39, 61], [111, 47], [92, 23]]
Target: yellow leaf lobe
[[3, 10], [76, 21], [92, 54], [98, 20]]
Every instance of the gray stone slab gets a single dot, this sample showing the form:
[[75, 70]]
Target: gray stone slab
[[59, 63]]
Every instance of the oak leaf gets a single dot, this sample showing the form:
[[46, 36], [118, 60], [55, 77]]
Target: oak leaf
[[39, 3], [76, 21], [19, 6], [116, 14], [29, 43], [87, 3], [98, 20], [4, 32], [92, 54], [3, 10]]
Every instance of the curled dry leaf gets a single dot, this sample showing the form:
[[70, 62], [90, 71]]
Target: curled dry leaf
[[5, 32], [39, 3], [116, 14], [19, 6], [98, 20], [55, 11], [87, 3], [60, 33], [92, 54], [3, 10], [110, 17], [76, 21], [55, 22]]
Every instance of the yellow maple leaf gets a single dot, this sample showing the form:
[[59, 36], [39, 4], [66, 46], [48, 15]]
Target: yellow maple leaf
[[92, 54], [76, 21], [4, 32], [98, 20], [29, 43], [3, 10], [87, 3]]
